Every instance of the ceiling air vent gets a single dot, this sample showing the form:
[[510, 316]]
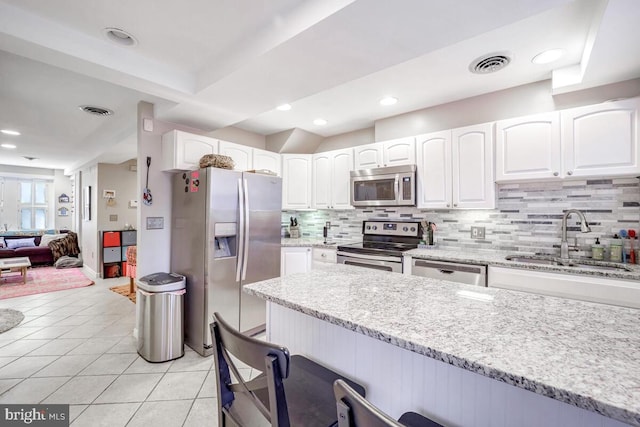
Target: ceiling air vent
[[97, 111], [490, 63]]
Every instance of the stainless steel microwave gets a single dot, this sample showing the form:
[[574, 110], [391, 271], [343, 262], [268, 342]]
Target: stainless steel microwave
[[390, 186]]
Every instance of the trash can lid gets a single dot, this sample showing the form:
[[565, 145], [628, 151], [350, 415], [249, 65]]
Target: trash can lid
[[162, 282]]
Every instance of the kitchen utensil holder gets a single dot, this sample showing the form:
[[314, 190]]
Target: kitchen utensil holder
[[294, 232]]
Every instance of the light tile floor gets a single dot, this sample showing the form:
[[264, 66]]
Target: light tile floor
[[76, 347]]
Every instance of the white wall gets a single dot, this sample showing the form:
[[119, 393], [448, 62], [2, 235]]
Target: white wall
[[64, 185], [240, 136], [122, 180], [89, 228]]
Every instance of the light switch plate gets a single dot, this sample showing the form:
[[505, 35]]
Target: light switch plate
[[477, 232]]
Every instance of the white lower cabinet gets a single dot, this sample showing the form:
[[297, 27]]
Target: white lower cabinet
[[587, 288], [455, 169], [325, 255], [295, 260]]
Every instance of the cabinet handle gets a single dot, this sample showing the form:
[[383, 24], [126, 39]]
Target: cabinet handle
[[308, 250], [448, 205], [556, 174], [455, 205], [323, 255], [569, 173]]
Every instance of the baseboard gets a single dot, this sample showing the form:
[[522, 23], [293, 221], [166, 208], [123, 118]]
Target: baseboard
[[89, 272]]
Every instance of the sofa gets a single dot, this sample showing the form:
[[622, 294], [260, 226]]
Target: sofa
[[12, 246]]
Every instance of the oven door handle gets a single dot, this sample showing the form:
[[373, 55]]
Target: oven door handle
[[373, 257]]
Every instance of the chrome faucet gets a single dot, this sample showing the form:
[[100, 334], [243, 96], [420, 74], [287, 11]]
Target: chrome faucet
[[584, 227]]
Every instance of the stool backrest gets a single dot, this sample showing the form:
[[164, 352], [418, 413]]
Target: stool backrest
[[270, 359], [355, 411]]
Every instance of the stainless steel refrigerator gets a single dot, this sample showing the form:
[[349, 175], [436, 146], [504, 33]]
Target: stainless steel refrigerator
[[225, 233]]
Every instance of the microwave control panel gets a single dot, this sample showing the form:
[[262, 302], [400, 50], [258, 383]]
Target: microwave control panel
[[392, 228]]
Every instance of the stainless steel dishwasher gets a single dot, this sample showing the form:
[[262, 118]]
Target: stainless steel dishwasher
[[454, 272]]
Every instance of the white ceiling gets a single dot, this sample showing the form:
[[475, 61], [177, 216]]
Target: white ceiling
[[211, 64]]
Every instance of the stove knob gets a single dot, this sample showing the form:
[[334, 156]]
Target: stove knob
[[368, 227], [405, 229], [413, 229], [375, 227]]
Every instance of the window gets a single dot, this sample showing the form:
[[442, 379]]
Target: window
[[33, 205]]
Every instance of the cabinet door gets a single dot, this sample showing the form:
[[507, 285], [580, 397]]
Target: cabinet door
[[268, 160], [601, 140], [434, 170], [295, 260], [322, 180], [342, 165], [473, 172], [528, 148], [296, 181], [182, 150], [368, 156], [400, 151], [241, 154]]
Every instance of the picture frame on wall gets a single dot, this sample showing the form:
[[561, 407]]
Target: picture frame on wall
[[63, 198], [86, 203]]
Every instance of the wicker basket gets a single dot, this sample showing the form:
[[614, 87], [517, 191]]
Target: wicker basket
[[216, 161]]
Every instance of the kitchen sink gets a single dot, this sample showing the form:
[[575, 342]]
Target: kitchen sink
[[571, 262]]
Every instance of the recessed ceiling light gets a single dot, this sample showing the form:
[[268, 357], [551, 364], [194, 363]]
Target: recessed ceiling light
[[10, 132], [548, 56], [320, 122], [9, 146], [389, 100], [284, 107], [119, 36]]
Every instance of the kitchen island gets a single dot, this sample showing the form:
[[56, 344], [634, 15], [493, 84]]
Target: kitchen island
[[461, 354]]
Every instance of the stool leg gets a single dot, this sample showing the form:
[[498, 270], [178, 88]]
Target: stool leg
[[130, 285]]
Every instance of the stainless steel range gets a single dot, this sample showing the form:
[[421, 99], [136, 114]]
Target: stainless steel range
[[383, 243]]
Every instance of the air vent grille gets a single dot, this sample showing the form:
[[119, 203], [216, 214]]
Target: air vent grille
[[489, 63], [97, 111]]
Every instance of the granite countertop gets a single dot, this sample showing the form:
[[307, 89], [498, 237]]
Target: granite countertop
[[581, 353], [308, 242], [498, 259]]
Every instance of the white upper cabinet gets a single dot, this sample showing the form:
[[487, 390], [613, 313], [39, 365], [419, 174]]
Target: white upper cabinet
[[434, 170], [242, 155], [181, 151], [368, 156], [400, 151], [455, 168], [248, 158], [528, 148], [473, 167], [331, 179], [394, 152], [601, 139], [296, 181], [263, 159]]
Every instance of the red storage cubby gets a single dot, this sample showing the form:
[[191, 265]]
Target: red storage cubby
[[110, 238]]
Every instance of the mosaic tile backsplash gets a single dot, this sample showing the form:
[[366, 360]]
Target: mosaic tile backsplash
[[527, 217]]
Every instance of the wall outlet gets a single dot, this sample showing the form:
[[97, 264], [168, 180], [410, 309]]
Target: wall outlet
[[477, 232]]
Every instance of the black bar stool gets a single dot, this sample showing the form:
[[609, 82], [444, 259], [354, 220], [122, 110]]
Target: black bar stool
[[289, 391], [355, 411]]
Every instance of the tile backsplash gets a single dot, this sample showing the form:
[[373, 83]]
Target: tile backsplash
[[527, 217]]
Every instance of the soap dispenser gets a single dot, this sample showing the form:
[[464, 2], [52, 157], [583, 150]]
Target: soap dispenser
[[597, 250], [616, 249]]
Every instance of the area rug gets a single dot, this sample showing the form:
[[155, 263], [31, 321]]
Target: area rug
[[9, 318], [41, 280], [124, 291]]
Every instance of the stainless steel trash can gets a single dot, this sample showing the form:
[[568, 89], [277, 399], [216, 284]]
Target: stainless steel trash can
[[160, 299]]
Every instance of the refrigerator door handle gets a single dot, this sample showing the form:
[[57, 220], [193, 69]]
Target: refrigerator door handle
[[241, 233], [245, 255]]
